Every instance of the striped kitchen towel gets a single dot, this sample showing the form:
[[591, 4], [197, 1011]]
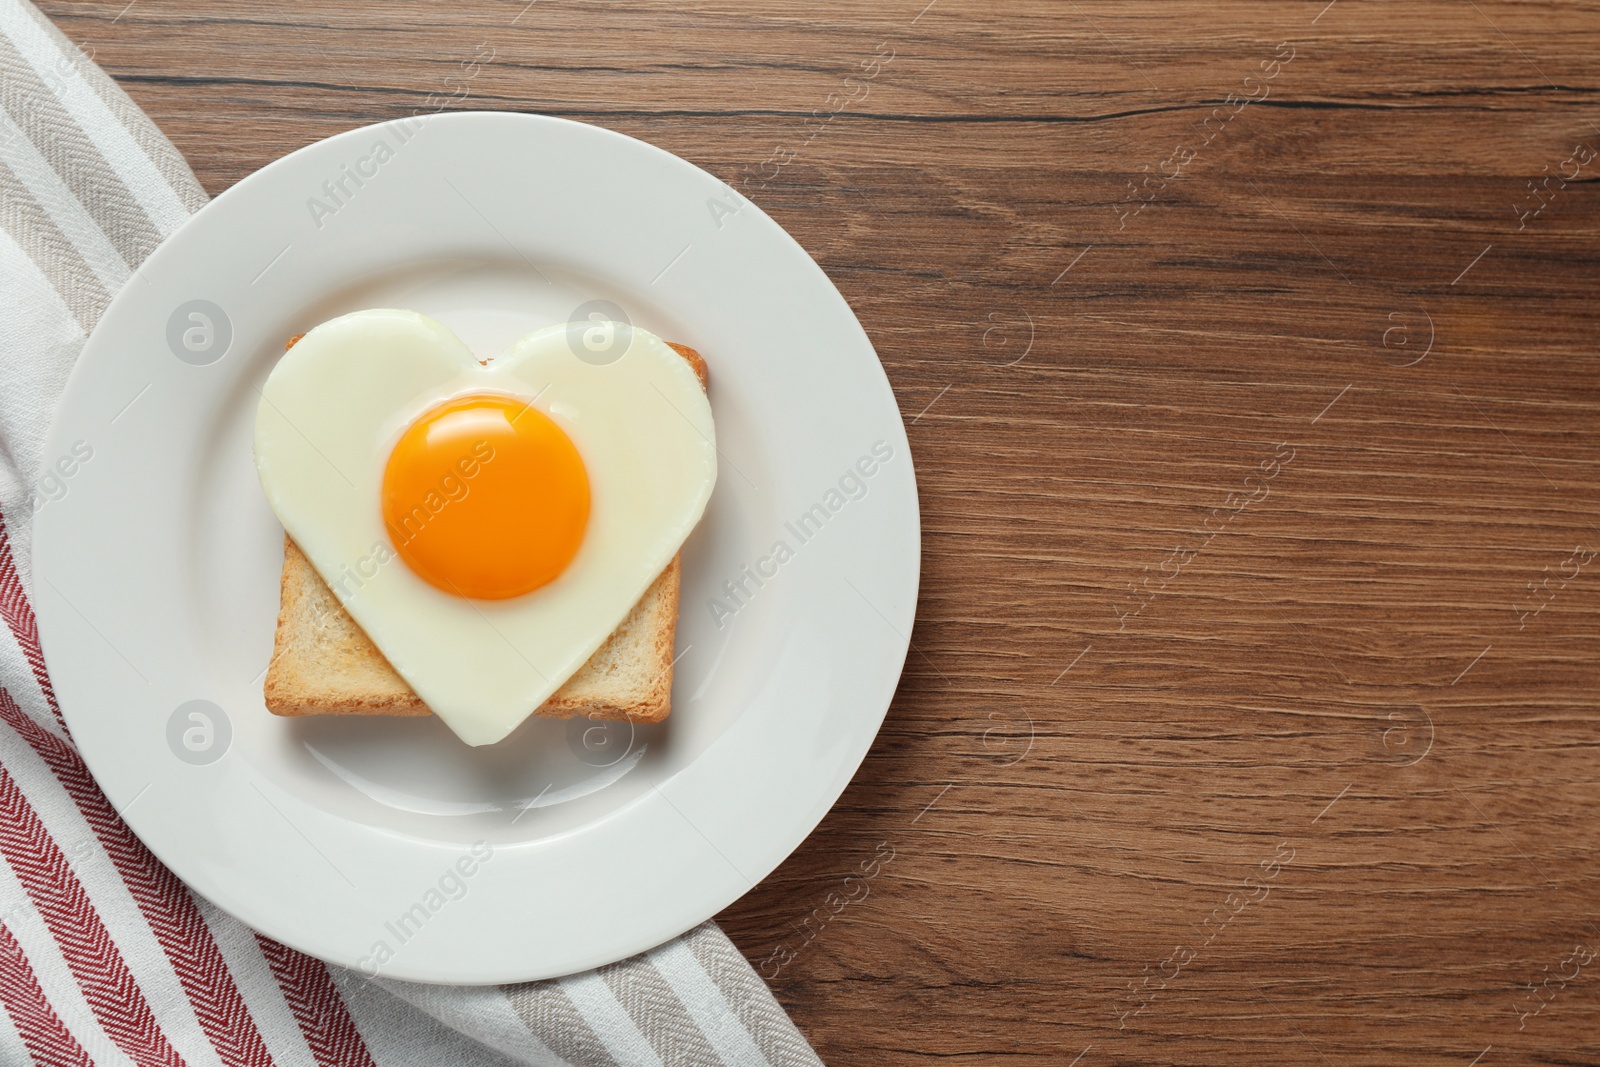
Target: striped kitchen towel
[[105, 957]]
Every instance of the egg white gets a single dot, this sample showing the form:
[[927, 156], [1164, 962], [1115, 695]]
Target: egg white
[[332, 410]]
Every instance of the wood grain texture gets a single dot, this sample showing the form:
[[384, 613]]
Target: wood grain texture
[[1260, 523]]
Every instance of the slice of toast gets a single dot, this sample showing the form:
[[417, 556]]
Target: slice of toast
[[323, 663]]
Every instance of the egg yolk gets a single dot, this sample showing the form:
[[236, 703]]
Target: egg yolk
[[484, 496]]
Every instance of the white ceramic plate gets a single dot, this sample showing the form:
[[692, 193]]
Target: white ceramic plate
[[386, 844]]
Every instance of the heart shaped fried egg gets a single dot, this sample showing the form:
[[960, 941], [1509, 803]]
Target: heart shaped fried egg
[[487, 525]]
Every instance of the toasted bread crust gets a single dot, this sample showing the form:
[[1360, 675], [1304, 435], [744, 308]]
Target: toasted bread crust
[[696, 361]]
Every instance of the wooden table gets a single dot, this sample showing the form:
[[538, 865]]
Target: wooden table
[[1248, 356]]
